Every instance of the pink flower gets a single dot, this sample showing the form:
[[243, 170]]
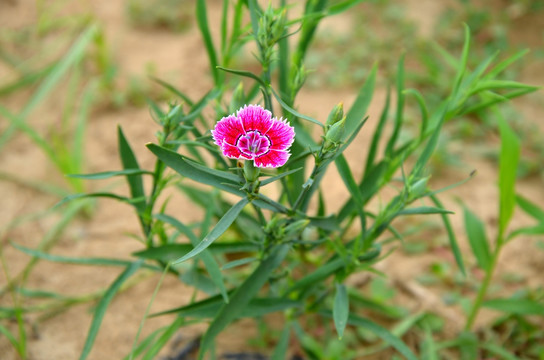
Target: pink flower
[[254, 135]]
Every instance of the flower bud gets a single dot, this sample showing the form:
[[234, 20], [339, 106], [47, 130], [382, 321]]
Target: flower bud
[[335, 134], [418, 188], [336, 114]]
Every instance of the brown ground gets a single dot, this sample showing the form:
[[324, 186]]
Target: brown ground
[[181, 59]]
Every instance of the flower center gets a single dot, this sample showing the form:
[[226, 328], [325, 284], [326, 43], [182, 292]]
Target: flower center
[[253, 144]]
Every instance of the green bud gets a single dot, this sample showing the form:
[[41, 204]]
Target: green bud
[[310, 233], [299, 79], [335, 134], [296, 227], [336, 114], [418, 188]]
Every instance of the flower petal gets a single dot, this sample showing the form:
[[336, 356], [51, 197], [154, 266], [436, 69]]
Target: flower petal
[[281, 134], [273, 158], [228, 130], [230, 151], [254, 117]]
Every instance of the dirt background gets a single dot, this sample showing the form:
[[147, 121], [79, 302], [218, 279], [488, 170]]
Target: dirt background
[[181, 58]]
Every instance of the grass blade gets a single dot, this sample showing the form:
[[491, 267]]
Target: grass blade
[[530, 208], [516, 306], [293, 111], [194, 171], [109, 174], [129, 161], [477, 239], [508, 164], [380, 332], [451, 236], [280, 351], [222, 226], [103, 305], [242, 296], [340, 310], [205, 256], [358, 110], [202, 21]]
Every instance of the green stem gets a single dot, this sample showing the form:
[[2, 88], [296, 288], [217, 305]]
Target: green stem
[[484, 287]]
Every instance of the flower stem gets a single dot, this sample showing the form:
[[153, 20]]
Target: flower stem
[[484, 287], [251, 173]]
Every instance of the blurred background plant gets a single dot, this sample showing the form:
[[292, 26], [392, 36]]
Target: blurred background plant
[[84, 69]]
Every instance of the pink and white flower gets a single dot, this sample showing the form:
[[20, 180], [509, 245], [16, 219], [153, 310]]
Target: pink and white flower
[[254, 135]]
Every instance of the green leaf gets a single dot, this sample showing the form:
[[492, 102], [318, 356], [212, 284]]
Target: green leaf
[[208, 308], [293, 111], [239, 262], [242, 296], [163, 339], [280, 351], [528, 230], [380, 332], [340, 310], [516, 306], [173, 90], [91, 195], [72, 57], [477, 238], [278, 177], [358, 110], [109, 174], [342, 6], [144, 344], [468, 346], [373, 150], [351, 186], [499, 351], [129, 161], [247, 74], [202, 21], [423, 210], [205, 255], [194, 171], [76, 260], [171, 252], [508, 165], [530, 208], [390, 147], [222, 226], [103, 305], [422, 108], [451, 236]]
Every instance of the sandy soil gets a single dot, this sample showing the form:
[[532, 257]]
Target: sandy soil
[[181, 59]]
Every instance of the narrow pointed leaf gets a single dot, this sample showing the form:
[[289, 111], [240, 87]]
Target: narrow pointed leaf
[[129, 161], [340, 311], [451, 236], [109, 174], [242, 296], [222, 226], [280, 351], [194, 171], [530, 208], [205, 255], [358, 110], [477, 238], [516, 306], [103, 305], [508, 164]]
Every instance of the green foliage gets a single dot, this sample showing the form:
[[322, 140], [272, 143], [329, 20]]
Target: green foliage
[[171, 14], [252, 254]]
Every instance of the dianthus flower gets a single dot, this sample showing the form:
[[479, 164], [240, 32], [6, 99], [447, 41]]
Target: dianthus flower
[[254, 135]]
